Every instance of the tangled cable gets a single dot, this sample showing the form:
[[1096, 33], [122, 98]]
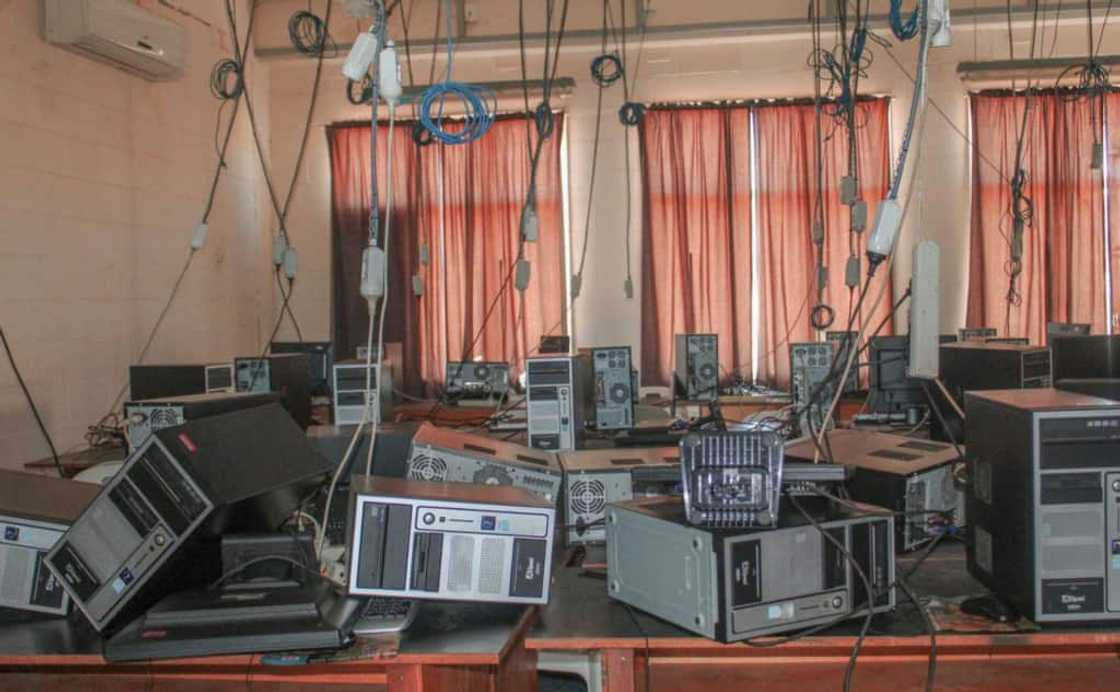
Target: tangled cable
[[904, 29], [607, 69], [225, 79], [307, 32]]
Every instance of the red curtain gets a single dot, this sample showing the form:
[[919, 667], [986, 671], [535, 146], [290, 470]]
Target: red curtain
[[1063, 264], [787, 193], [696, 254], [460, 206]]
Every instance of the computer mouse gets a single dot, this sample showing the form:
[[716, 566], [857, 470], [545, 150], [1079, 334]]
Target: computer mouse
[[991, 607]]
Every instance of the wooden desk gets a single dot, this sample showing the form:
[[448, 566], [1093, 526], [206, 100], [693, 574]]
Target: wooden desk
[[894, 657], [75, 462], [449, 648]]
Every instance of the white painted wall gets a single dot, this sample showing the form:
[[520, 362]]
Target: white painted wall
[[103, 177]]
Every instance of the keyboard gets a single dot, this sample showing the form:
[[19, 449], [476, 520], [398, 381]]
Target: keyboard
[[382, 615]]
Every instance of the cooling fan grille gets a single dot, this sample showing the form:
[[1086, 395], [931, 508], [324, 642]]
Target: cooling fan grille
[[427, 468], [588, 497]]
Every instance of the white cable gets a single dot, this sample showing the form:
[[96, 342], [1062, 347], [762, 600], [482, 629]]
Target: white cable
[[385, 295], [869, 314]]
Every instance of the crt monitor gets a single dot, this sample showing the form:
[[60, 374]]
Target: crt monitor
[[891, 390], [1085, 357], [321, 355]]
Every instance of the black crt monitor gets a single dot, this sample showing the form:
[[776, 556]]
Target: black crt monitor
[[891, 390], [321, 355], [1085, 357], [1054, 329]]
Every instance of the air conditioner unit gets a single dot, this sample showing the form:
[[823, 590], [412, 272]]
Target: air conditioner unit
[[119, 33]]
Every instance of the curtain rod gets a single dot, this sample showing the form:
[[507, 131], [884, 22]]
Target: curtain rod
[[506, 115], [753, 103], [1045, 91]]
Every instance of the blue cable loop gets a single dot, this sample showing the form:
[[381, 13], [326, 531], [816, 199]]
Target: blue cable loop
[[479, 106], [543, 119], [904, 29], [631, 113]]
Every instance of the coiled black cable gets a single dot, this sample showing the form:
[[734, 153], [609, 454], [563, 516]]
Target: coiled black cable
[[631, 113], [225, 79], [421, 135], [363, 94], [544, 120], [307, 32], [606, 69]]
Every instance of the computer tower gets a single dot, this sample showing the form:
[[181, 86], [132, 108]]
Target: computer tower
[[976, 333], [1102, 387], [351, 395], [287, 373], [448, 456], [449, 541], [34, 512], [158, 381], [476, 380], [736, 585], [559, 400], [321, 360], [902, 474], [696, 367], [842, 343], [142, 418], [1044, 502], [153, 527], [1085, 357], [594, 478], [971, 366], [810, 365], [614, 388]]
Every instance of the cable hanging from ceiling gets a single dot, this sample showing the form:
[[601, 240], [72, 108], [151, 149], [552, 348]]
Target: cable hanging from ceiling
[[1093, 82]]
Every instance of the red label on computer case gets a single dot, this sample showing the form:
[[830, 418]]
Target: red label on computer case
[[188, 443]]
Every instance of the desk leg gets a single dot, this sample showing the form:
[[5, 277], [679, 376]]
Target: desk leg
[[624, 671]]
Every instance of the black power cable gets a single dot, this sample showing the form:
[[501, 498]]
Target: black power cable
[[31, 404]]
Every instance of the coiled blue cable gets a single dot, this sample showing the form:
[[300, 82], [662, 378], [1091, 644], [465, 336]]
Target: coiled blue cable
[[904, 29], [478, 105]]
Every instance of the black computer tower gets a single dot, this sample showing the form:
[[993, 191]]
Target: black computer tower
[[696, 367], [321, 354], [973, 366], [287, 373], [891, 390], [157, 381], [1043, 502], [154, 527], [1084, 357]]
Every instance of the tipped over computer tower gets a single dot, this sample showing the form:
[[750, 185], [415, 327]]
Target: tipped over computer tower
[[144, 417], [449, 541], [448, 456], [731, 585], [732, 479], [487, 382], [594, 478], [34, 513], [153, 527]]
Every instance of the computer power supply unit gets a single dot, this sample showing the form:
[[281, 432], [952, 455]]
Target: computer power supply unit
[[287, 373], [351, 395], [696, 367], [448, 456], [449, 541], [34, 513], [736, 585], [476, 380], [142, 418], [558, 400], [732, 479], [153, 527], [614, 388], [594, 478], [1044, 502], [899, 473], [810, 364]]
